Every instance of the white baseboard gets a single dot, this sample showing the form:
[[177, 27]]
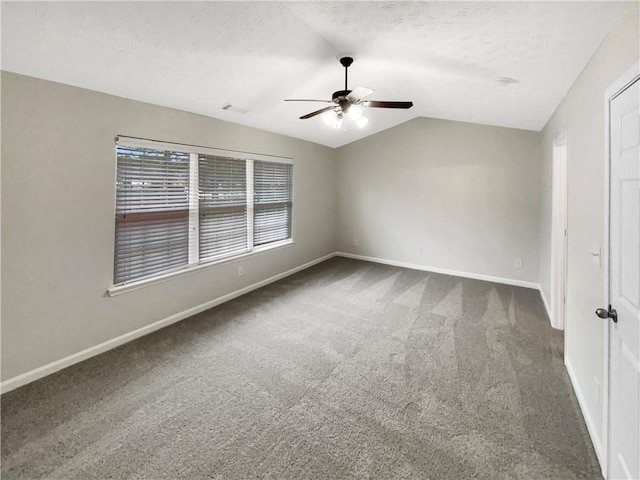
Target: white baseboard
[[65, 362], [455, 273], [546, 306], [595, 438]]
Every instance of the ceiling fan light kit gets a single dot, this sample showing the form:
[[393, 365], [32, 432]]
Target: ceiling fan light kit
[[349, 102], [355, 112], [336, 119], [329, 118]]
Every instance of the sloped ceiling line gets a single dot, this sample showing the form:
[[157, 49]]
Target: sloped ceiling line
[[197, 56]]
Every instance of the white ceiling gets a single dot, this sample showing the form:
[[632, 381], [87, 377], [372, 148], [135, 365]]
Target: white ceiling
[[196, 56]]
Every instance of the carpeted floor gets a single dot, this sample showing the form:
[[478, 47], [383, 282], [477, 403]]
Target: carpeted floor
[[346, 370]]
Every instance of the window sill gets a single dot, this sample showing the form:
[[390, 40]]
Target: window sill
[[135, 285]]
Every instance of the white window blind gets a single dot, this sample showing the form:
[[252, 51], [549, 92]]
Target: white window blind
[[178, 206], [272, 201], [152, 212], [223, 206]]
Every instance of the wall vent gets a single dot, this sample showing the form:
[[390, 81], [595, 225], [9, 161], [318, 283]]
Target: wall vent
[[233, 108]]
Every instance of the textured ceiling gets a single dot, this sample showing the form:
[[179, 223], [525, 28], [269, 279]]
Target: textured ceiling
[[196, 56]]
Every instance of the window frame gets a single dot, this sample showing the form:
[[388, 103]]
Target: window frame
[[194, 263], [263, 201]]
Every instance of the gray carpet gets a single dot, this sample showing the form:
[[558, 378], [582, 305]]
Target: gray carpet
[[346, 370]]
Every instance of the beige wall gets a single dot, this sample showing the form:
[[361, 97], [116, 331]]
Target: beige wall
[[581, 114], [466, 194], [58, 174], [472, 198]]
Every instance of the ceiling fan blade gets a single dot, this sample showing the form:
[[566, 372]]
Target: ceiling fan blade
[[306, 100], [317, 112], [358, 93], [382, 104]]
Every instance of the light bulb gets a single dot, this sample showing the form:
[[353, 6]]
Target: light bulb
[[362, 121], [355, 112], [338, 123], [329, 117]]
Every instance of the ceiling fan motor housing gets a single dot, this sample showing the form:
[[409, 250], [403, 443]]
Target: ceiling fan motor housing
[[340, 99], [340, 95]]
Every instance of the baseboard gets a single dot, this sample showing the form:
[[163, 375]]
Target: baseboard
[[546, 305], [455, 273], [595, 438], [65, 362], [78, 357]]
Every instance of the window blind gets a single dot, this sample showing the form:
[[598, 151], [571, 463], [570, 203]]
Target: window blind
[[222, 206], [152, 212], [180, 205], [272, 201]]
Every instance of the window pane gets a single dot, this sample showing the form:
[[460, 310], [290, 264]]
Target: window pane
[[223, 206], [152, 212], [272, 202]]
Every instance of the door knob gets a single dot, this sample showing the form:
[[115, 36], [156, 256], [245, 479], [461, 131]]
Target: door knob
[[610, 313]]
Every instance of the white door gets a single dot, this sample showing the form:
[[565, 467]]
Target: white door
[[624, 286]]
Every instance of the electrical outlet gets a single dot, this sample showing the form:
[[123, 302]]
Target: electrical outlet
[[518, 264], [356, 242], [240, 270]]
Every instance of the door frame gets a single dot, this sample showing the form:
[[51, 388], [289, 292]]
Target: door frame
[[559, 230], [630, 76]]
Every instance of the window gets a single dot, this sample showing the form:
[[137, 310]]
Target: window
[[223, 206], [152, 212], [180, 206], [272, 202]]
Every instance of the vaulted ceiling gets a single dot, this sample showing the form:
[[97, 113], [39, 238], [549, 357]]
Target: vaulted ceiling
[[446, 57]]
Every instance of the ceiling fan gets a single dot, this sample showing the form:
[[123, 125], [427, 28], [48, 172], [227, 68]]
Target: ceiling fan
[[348, 102]]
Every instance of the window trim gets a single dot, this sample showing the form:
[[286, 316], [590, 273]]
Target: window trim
[[194, 151], [116, 290], [185, 148]]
